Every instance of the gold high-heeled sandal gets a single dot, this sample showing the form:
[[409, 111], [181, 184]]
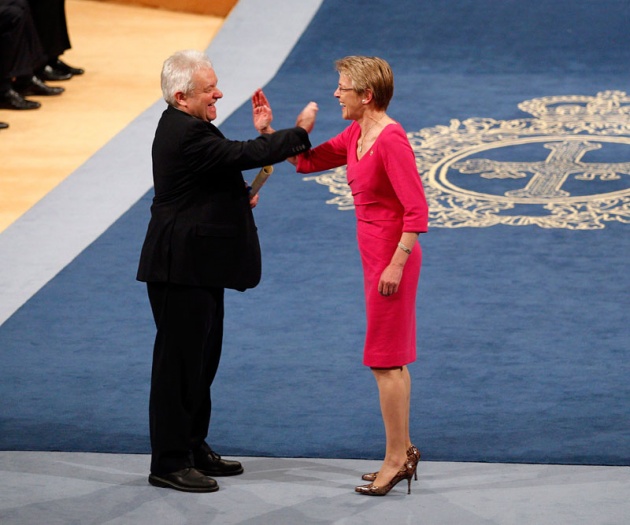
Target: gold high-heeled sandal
[[405, 472], [412, 453]]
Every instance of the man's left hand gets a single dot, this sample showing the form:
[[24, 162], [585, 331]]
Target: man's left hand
[[261, 112]]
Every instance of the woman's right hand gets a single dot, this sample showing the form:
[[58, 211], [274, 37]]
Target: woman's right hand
[[306, 119]]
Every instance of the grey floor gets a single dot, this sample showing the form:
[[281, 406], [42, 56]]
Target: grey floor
[[52, 488]]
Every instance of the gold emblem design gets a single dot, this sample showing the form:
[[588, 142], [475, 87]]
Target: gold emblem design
[[553, 170]]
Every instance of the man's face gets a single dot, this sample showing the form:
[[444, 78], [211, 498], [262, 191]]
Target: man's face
[[201, 102]]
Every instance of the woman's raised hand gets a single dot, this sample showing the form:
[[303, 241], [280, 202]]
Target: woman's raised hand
[[306, 119]]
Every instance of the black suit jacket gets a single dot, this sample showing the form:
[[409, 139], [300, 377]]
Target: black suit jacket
[[202, 230]]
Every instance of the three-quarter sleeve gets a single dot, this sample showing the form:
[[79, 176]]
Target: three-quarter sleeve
[[400, 166], [328, 155]]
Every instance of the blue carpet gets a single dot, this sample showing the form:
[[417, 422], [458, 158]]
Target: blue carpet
[[523, 310]]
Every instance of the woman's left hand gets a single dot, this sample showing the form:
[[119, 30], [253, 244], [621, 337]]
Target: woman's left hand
[[390, 279]]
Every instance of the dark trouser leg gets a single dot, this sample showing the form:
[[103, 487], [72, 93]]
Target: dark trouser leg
[[212, 355], [50, 20], [186, 356], [22, 51]]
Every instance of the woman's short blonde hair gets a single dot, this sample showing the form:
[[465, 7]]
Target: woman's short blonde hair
[[371, 73]]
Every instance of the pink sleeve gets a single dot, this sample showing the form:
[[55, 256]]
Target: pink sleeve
[[400, 165], [331, 154]]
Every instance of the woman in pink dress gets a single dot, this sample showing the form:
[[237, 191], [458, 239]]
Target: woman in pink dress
[[391, 211]]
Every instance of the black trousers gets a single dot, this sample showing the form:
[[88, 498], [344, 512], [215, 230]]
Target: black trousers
[[186, 356], [21, 51], [52, 27]]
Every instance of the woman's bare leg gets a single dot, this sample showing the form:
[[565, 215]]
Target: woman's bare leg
[[394, 387]]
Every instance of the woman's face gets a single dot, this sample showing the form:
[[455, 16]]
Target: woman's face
[[350, 101]]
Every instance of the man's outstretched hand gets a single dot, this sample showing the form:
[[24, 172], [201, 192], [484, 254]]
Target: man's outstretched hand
[[261, 112]]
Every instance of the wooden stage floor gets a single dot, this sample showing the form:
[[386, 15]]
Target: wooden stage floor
[[122, 49]]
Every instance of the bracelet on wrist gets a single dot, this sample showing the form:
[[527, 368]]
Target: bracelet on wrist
[[404, 248]]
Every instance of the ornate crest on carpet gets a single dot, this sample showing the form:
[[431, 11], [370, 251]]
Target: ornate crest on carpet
[[568, 167]]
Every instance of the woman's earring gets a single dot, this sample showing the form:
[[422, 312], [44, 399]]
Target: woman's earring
[[364, 101]]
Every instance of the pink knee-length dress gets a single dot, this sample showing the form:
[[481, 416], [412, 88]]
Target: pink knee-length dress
[[389, 200]]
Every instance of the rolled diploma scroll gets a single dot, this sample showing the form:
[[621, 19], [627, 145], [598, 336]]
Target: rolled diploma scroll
[[260, 179]]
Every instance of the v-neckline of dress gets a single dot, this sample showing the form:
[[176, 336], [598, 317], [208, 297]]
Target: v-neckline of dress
[[356, 153]]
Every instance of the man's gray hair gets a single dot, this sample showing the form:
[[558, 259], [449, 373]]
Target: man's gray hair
[[178, 71]]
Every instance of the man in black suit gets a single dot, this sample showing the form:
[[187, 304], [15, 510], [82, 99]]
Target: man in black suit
[[201, 239]]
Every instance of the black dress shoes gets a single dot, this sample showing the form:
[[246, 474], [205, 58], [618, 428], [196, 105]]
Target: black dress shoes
[[50, 73], [62, 67], [186, 480], [3, 125], [35, 86], [210, 463], [11, 99]]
